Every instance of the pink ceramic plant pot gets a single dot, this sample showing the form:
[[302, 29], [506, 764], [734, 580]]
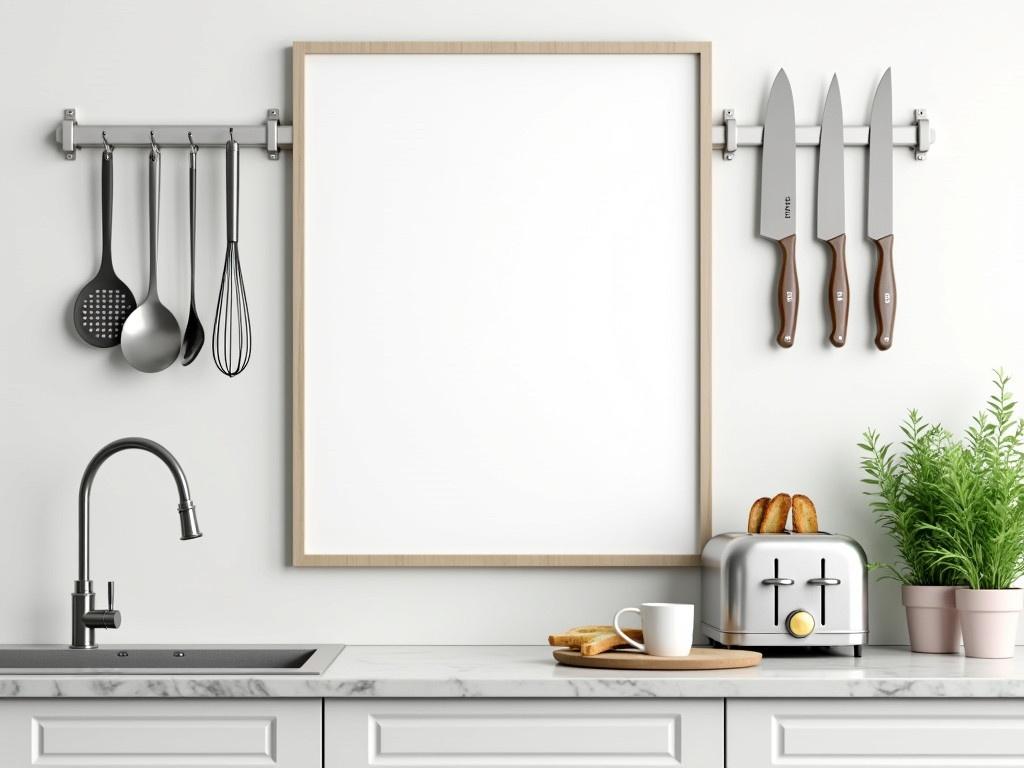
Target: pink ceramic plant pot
[[989, 620], [932, 619]]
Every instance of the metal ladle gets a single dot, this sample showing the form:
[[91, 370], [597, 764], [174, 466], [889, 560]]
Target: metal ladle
[[151, 337]]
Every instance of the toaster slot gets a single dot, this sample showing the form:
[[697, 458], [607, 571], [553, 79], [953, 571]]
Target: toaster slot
[[776, 591], [821, 582], [822, 588], [775, 582]]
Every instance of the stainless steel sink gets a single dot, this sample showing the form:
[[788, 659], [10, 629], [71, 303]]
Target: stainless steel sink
[[168, 659]]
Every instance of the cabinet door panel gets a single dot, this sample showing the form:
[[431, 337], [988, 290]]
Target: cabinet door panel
[[882, 733], [185, 733], [467, 733]]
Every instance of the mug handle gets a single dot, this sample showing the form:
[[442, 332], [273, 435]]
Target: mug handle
[[620, 633]]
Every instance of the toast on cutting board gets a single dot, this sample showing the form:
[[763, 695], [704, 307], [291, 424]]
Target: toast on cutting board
[[805, 516], [594, 639], [756, 514], [776, 514]]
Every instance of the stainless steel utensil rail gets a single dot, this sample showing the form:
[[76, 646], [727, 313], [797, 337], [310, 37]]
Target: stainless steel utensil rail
[[270, 135], [275, 138], [729, 136]]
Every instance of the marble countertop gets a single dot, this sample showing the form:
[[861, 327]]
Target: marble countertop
[[530, 671]]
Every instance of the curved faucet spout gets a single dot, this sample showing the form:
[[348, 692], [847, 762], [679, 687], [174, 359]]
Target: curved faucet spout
[[186, 508], [84, 618]]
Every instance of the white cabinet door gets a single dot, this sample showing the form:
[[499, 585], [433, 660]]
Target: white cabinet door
[[881, 733], [535, 733], [170, 733]]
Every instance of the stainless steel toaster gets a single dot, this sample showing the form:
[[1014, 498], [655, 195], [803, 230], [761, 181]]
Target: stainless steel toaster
[[764, 589]]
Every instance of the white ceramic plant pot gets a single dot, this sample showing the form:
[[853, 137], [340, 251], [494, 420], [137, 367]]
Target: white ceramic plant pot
[[989, 620], [932, 619]]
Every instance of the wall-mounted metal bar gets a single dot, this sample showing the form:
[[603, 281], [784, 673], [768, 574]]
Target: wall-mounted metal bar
[[270, 136], [729, 136]]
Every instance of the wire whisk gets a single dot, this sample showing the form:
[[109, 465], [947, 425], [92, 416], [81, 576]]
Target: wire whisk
[[232, 331]]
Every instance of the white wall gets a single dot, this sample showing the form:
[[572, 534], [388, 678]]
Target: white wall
[[783, 420]]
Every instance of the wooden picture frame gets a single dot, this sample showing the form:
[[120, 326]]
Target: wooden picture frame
[[303, 554]]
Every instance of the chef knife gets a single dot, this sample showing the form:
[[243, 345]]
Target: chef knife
[[778, 198], [880, 209], [832, 210]]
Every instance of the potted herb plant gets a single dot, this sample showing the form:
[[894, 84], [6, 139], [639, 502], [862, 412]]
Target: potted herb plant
[[971, 531], [979, 526], [904, 499]]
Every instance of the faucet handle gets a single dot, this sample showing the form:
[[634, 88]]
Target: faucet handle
[[108, 619]]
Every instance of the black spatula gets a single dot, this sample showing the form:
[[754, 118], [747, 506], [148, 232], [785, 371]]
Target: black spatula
[[102, 306]]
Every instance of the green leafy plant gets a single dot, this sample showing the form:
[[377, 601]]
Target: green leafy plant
[[954, 509], [905, 496]]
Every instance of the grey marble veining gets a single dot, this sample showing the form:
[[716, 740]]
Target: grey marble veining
[[530, 671]]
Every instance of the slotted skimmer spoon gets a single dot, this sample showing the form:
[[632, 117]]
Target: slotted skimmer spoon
[[151, 338], [104, 303]]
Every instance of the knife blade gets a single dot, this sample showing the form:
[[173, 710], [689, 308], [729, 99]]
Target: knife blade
[[832, 209], [778, 199], [880, 209]]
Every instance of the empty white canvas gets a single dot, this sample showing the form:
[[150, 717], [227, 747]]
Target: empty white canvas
[[501, 304]]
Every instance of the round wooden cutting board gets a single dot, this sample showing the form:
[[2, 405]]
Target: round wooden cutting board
[[699, 658]]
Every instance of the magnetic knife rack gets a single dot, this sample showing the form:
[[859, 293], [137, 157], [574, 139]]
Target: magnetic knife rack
[[269, 135], [273, 137], [729, 136]]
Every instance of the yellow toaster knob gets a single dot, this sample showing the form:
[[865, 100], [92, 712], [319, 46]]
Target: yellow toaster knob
[[799, 623]]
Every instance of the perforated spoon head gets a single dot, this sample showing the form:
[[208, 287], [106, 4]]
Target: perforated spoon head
[[101, 309]]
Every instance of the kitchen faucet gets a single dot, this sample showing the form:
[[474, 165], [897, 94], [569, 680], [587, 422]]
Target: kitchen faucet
[[85, 619]]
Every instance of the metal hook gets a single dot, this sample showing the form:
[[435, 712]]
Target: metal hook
[[231, 134], [154, 147], [107, 146], [192, 144]]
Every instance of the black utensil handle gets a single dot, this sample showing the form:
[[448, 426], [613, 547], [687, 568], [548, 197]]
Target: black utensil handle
[[838, 291], [885, 293], [192, 215], [789, 292], [107, 203]]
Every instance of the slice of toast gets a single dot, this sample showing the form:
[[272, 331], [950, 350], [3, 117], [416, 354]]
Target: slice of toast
[[594, 639], [805, 516], [756, 514], [606, 642], [776, 514]]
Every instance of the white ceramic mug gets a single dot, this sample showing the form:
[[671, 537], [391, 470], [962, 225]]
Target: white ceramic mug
[[667, 628]]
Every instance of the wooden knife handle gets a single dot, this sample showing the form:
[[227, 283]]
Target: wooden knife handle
[[838, 291], [789, 292], [885, 294]]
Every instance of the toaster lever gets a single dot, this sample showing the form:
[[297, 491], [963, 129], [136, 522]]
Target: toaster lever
[[777, 582], [824, 582]]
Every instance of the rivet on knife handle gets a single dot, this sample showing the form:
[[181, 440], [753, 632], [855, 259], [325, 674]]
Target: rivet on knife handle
[[838, 291], [789, 292], [885, 293]]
